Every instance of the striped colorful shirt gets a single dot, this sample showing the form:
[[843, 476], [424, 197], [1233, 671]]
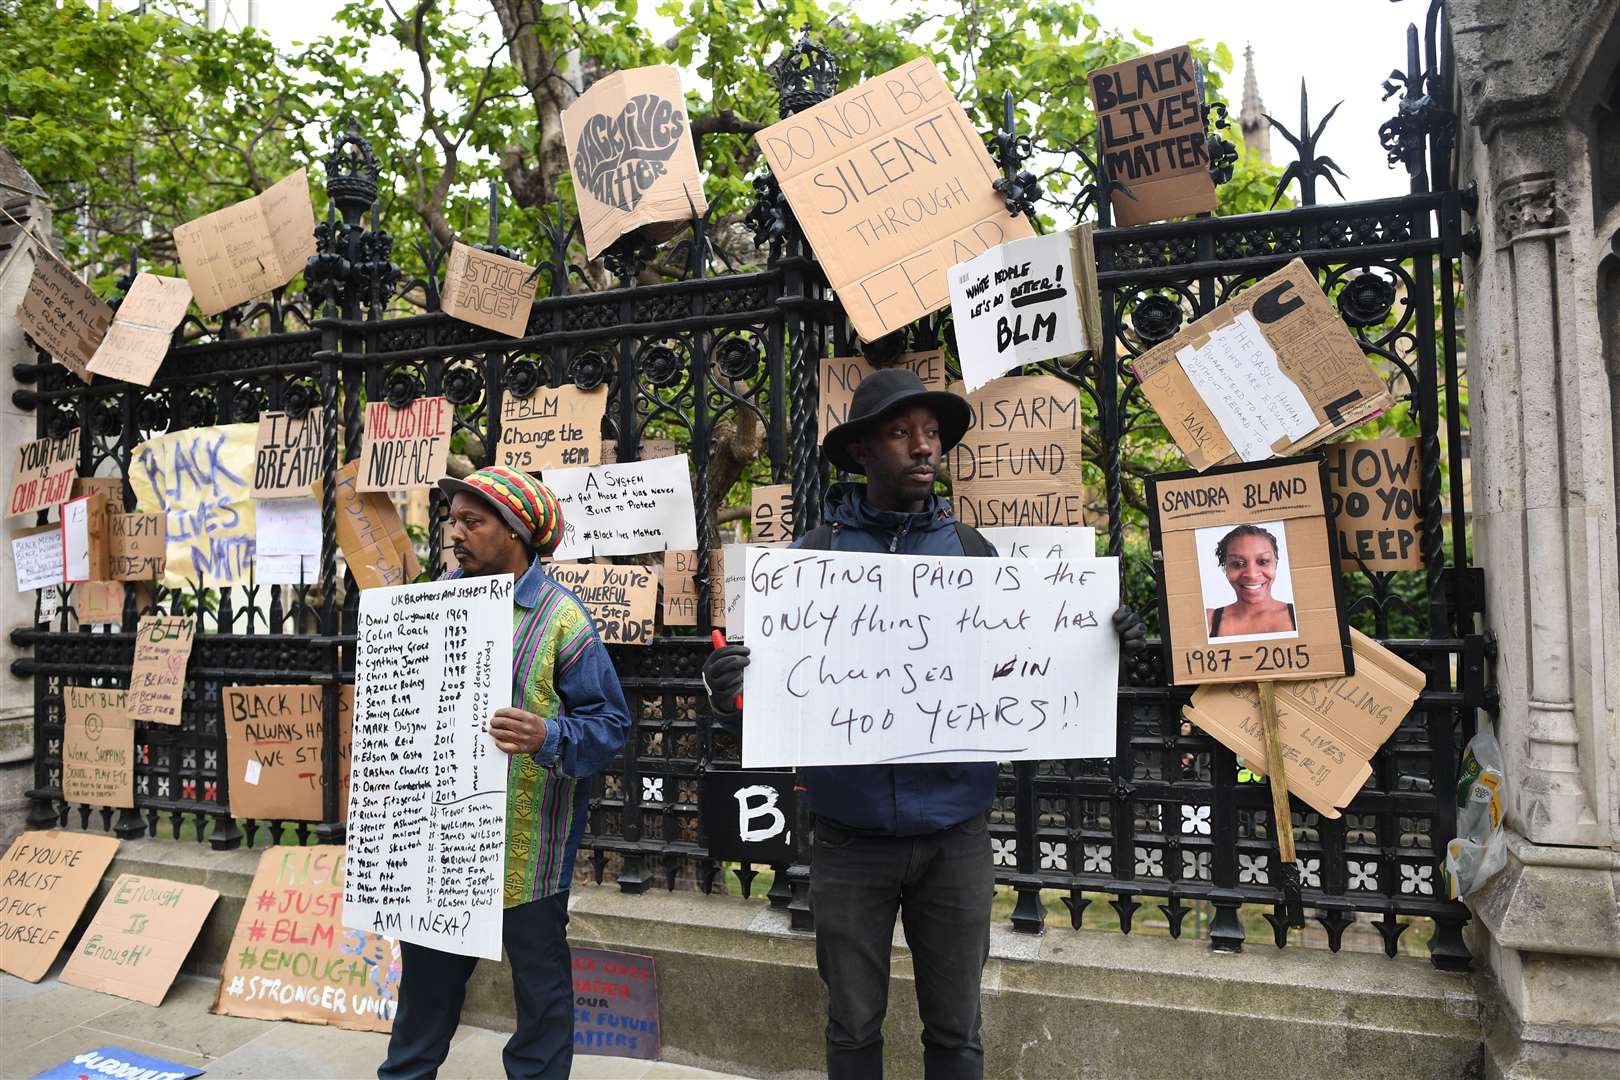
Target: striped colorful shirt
[[560, 671]]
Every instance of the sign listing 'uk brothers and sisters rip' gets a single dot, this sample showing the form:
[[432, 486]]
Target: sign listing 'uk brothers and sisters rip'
[[622, 599], [62, 314], [551, 428], [46, 878], [139, 937], [1375, 489], [1249, 588], [200, 479], [892, 186], [633, 160], [865, 659], [488, 290], [250, 247], [841, 375], [36, 554], [292, 959], [405, 448], [273, 748], [1020, 462], [625, 509], [1150, 126], [373, 539], [142, 330], [98, 747], [43, 475], [287, 455], [1273, 372], [427, 795], [158, 676], [1023, 302]]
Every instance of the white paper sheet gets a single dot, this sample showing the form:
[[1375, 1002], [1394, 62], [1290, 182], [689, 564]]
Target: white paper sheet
[[427, 797], [1237, 374], [38, 559], [625, 509], [1043, 541], [1016, 304], [861, 659], [287, 548], [76, 540]]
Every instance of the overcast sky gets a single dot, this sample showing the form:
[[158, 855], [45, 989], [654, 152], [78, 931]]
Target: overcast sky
[[1344, 56]]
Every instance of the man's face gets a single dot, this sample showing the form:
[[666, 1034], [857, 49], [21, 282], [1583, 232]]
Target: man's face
[[901, 455], [480, 540]]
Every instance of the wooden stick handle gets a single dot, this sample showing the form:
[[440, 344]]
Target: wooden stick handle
[[1276, 772]]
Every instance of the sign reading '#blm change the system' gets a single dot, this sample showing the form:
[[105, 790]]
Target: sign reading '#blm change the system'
[[1150, 123], [551, 428], [892, 186], [863, 659]]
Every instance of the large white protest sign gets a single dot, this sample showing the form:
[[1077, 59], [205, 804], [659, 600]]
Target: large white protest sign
[[427, 792], [862, 659], [625, 509], [1237, 375], [1043, 541], [1023, 302]]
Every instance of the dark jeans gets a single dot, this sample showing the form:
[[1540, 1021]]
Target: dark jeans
[[941, 884], [432, 984]]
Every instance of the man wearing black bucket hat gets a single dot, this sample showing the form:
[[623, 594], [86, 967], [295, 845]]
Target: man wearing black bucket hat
[[906, 839]]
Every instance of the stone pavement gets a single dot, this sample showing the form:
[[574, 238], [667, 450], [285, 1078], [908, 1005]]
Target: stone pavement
[[47, 1023]]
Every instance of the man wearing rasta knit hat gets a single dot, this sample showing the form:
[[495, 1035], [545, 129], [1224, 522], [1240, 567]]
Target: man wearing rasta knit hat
[[908, 839], [568, 718]]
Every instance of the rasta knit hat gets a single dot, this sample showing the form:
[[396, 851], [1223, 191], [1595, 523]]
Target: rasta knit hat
[[523, 502]]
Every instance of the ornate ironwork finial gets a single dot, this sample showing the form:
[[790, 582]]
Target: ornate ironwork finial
[[805, 75], [1019, 188], [1419, 116], [351, 174], [1220, 151], [1310, 164]]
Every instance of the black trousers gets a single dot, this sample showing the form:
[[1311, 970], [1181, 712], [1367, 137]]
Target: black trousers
[[941, 884], [433, 983]]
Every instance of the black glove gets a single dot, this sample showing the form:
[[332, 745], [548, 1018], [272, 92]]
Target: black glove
[[723, 677], [1132, 633]]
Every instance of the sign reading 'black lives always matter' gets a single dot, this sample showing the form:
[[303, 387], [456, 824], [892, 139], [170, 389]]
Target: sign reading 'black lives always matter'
[[1150, 121]]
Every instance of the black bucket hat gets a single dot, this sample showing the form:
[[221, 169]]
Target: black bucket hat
[[885, 391]]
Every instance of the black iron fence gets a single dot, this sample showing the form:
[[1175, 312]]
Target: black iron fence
[[1163, 826]]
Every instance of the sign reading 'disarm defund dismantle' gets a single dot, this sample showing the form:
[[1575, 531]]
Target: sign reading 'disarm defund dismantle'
[[861, 659]]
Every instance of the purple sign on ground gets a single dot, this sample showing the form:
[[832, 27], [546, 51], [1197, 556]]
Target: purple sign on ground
[[116, 1063], [615, 1004]]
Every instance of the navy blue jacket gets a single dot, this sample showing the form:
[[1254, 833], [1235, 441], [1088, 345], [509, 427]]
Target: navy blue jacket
[[896, 800]]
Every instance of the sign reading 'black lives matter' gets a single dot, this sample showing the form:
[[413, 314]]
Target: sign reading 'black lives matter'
[[630, 148], [1150, 124]]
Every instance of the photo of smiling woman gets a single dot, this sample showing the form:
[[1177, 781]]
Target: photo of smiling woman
[[1248, 591]]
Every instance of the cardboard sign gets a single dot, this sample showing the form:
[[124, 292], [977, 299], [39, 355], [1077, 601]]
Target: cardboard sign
[[406, 448], [427, 801], [1020, 463], [1249, 589], [111, 486], [62, 314], [681, 589], [251, 247], [1037, 542], [46, 878], [625, 509], [43, 475], [373, 539], [290, 957], [1375, 490], [771, 518], [841, 375], [650, 449], [622, 599], [748, 815], [138, 544], [488, 290], [1023, 302], [552, 428], [863, 659], [200, 480], [288, 551], [36, 554], [273, 742], [1150, 130], [85, 545], [117, 1063], [1230, 385], [892, 186], [142, 330], [615, 1004], [1330, 727], [158, 678], [287, 455], [139, 937], [630, 150], [97, 602], [98, 747]]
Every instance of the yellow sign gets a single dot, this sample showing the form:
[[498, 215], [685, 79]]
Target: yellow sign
[[201, 480]]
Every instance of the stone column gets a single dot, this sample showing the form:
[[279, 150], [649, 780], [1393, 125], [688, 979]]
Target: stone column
[[1543, 420]]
